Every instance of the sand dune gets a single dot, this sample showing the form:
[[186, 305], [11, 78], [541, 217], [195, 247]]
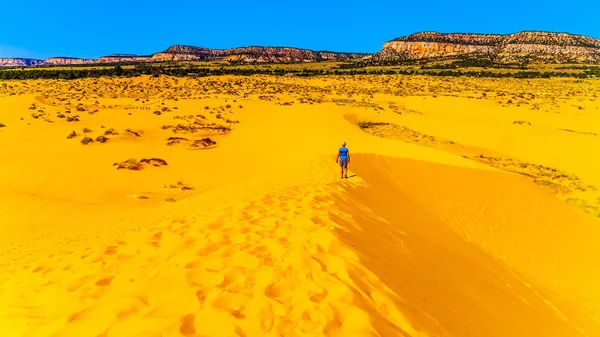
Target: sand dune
[[254, 234]]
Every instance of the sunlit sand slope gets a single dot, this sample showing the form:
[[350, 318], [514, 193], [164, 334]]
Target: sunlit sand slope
[[450, 241], [385, 256], [258, 236]]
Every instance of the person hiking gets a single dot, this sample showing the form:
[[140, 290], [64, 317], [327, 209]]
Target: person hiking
[[343, 158]]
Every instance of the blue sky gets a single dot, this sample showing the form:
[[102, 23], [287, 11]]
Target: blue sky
[[42, 29]]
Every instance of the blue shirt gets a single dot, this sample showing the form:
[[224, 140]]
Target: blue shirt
[[343, 153]]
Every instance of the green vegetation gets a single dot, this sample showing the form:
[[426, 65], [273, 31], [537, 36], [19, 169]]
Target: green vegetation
[[467, 67], [367, 124], [474, 63]]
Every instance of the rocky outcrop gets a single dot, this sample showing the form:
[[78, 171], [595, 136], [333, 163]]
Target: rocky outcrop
[[19, 62], [67, 61], [118, 58], [518, 47], [250, 54], [544, 47]]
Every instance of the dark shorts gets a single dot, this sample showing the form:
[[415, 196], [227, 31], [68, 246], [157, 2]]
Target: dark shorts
[[344, 162]]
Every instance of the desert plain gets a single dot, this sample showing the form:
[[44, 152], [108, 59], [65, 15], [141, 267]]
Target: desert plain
[[213, 206]]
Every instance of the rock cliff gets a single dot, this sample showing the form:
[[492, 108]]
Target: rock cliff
[[518, 47], [543, 47], [67, 61], [19, 62], [250, 54], [117, 58]]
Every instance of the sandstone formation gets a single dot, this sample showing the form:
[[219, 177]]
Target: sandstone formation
[[67, 61], [250, 54], [190, 53], [18, 62], [116, 58], [518, 47]]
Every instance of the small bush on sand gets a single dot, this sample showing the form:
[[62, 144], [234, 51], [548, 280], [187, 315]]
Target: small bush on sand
[[175, 140], [154, 161], [71, 135], [133, 164], [2, 125], [60, 116], [86, 130], [86, 140], [101, 139], [133, 132], [158, 113], [366, 125], [129, 164], [204, 142]]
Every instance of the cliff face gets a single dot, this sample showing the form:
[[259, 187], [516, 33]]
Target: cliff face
[[117, 58], [67, 61], [524, 46], [519, 47], [18, 62], [249, 54]]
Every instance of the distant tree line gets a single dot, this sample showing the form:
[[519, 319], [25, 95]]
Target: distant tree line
[[178, 71]]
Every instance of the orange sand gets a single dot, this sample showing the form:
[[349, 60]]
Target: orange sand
[[267, 240]]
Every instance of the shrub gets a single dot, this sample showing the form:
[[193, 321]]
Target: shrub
[[86, 140], [366, 125], [129, 164], [133, 132], [154, 161]]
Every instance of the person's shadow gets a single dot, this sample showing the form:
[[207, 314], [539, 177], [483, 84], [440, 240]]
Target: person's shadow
[[351, 176]]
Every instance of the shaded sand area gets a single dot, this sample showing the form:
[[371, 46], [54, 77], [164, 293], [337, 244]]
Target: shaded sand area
[[213, 207]]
